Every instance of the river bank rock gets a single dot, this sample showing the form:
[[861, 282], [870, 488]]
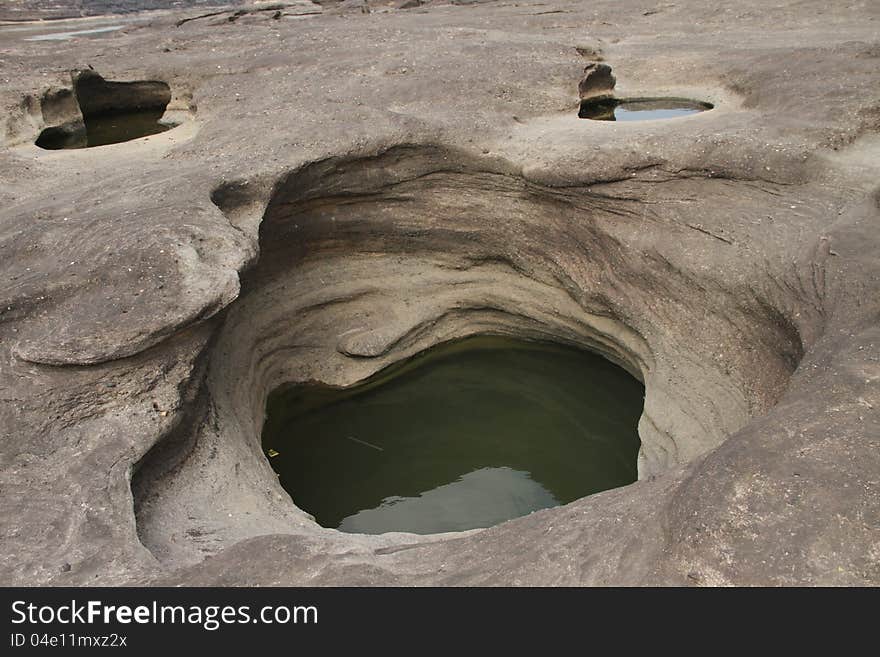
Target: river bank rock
[[343, 191]]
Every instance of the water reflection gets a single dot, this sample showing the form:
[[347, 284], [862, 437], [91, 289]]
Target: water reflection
[[465, 435], [481, 498], [67, 36], [641, 109], [104, 129]]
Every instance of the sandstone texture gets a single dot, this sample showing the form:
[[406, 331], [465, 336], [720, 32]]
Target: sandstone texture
[[598, 82], [349, 185]]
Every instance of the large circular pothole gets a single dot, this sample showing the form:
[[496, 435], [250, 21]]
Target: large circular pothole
[[464, 435], [367, 262]]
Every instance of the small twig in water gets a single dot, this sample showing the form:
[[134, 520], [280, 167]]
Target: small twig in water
[[364, 442]]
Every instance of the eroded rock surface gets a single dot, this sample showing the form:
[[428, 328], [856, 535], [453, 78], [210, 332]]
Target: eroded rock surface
[[350, 189], [597, 82]]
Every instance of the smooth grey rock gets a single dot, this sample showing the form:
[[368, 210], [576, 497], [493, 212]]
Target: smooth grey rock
[[319, 216]]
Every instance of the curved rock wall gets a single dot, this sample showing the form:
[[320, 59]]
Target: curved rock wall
[[367, 261]]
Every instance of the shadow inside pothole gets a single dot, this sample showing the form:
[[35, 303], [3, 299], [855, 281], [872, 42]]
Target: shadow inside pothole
[[105, 129], [97, 112]]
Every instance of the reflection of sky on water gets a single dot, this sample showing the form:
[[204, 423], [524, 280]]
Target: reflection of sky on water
[[65, 36], [623, 114], [481, 498]]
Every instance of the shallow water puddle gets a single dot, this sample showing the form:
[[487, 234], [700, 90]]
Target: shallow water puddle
[[105, 129], [67, 36], [464, 435], [643, 109]]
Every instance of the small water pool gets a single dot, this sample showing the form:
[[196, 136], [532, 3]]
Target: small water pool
[[105, 129], [641, 109], [467, 434]]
